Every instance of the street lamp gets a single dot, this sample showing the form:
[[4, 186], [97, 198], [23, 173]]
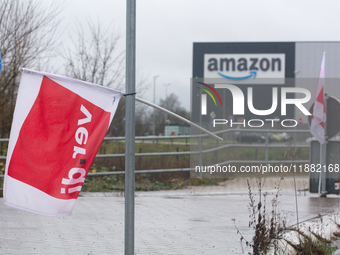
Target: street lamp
[[154, 99], [166, 90], [166, 97]]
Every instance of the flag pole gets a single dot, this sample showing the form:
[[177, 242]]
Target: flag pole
[[320, 179], [130, 88], [318, 126], [324, 155], [178, 117]]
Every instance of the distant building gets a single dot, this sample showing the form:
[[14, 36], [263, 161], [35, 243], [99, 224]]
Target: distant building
[[276, 64], [175, 130]]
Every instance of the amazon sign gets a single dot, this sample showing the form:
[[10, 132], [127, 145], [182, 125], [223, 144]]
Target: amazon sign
[[245, 67], [259, 71]]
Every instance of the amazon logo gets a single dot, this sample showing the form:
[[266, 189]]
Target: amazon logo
[[237, 67]]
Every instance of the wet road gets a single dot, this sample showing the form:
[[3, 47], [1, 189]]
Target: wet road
[[191, 221]]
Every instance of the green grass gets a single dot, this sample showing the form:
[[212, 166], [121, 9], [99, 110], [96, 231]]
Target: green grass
[[309, 246], [111, 147], [144, 182], [167, 140], [166, 180]]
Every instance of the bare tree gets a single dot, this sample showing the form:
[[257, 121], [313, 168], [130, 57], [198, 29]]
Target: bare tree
[[93, 56], [27, 33], [172, 104]]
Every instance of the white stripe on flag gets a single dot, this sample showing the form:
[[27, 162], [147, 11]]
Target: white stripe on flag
[[58, 126]]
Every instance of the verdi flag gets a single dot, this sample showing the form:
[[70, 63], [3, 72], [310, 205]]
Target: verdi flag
[[319, 111], [58, 126]]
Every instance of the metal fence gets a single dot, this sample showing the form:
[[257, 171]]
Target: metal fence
[[200, 140]]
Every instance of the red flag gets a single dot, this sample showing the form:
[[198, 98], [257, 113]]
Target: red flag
[[58, 126], [319, 111]]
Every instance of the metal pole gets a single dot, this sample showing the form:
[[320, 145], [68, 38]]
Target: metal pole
[[154, 102], [166, 90], [178, 117], [130, 87], [200, 155], [267, 145], [324, 155], [320, 177], [166, 97], [323, 159], [200, 144]]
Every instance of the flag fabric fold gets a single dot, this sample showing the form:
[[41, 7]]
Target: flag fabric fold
[[319, 111], [58, 126]]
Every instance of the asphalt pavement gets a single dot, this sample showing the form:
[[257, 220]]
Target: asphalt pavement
[[197, 220]]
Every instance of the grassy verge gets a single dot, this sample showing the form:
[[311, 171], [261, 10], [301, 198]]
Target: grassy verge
[[269, 226], [143, 183], [166, 180], [312, 244]]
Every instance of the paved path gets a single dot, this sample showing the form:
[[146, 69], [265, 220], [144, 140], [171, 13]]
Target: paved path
[[191, 221]]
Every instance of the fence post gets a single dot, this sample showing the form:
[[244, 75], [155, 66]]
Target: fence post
[[216, 153], [200, 154], [267, 144]]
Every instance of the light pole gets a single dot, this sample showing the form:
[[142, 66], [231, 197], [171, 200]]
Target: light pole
[[166, 90], [166, 96], [154, 99]]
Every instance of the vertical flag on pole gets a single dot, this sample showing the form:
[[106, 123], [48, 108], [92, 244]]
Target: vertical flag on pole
[[317, 127], [58, 126]]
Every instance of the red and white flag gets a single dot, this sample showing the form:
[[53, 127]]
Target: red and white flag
[[58, 126], [317, 127]]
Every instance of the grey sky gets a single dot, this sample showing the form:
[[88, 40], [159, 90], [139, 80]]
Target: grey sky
[[166, 30]]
